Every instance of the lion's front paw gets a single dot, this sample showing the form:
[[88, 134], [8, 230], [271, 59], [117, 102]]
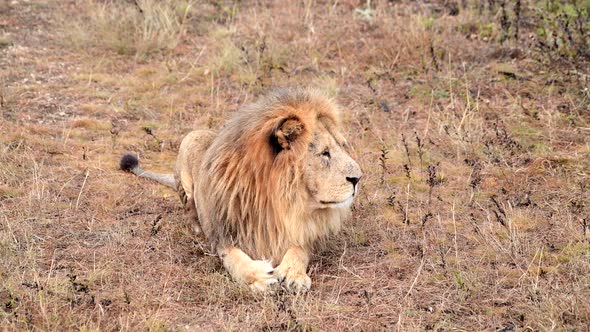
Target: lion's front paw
[[295, 280], [260, 276]]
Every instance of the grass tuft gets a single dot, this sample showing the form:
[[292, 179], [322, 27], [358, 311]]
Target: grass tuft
[[140, 27]]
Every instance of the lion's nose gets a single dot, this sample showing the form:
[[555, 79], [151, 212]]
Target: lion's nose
[[353, 180]]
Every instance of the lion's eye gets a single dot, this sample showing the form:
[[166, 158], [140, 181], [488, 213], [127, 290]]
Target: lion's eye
[[326, 153]]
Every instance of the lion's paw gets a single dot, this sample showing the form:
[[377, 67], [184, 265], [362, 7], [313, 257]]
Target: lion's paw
[[260, 277], [294, 280]]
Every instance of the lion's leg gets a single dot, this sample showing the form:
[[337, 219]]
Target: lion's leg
[[192, 216], [190, 209], [259, 275], [293, 269]]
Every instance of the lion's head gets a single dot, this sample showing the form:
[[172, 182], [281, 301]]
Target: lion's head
[[330, 175], [278, 174]]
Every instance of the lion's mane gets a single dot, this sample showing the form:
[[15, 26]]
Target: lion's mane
[[251, 192]]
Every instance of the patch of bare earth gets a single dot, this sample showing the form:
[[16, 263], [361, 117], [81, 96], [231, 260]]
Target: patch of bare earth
[[474, 210]]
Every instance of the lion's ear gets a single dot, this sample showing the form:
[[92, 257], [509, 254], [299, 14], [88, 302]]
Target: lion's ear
[[286, 132]]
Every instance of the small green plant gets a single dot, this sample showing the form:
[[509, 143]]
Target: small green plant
[[428, 22], [563, 27]]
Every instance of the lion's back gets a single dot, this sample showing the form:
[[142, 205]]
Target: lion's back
[[190, 156]]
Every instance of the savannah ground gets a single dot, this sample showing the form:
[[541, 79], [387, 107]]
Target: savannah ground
[[470, 119]]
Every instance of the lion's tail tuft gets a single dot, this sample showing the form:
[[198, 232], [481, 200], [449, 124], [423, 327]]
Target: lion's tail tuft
[[129, 162]]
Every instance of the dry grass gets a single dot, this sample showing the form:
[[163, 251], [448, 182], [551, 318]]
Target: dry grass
[[474, 213], [138, 27]]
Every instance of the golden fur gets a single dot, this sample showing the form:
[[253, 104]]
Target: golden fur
[[262, 189]]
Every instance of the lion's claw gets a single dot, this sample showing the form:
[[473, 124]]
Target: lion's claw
[[294, 280]]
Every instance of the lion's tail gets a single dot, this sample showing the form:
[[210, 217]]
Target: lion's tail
[[130, 163]]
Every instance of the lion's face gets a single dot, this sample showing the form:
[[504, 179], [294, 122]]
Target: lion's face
[[330, 174]]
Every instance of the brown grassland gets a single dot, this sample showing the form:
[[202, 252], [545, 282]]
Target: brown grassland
[[470, 119]]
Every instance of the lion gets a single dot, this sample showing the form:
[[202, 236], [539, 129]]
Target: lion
[[270, 186]]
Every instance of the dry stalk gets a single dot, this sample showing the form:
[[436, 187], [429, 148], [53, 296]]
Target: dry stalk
[[82, 188]]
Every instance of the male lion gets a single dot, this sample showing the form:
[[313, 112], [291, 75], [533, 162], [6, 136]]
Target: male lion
[[274, 181]]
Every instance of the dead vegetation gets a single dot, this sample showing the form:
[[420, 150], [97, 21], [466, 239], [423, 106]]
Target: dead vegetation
[[470, 120], [138, 27]]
